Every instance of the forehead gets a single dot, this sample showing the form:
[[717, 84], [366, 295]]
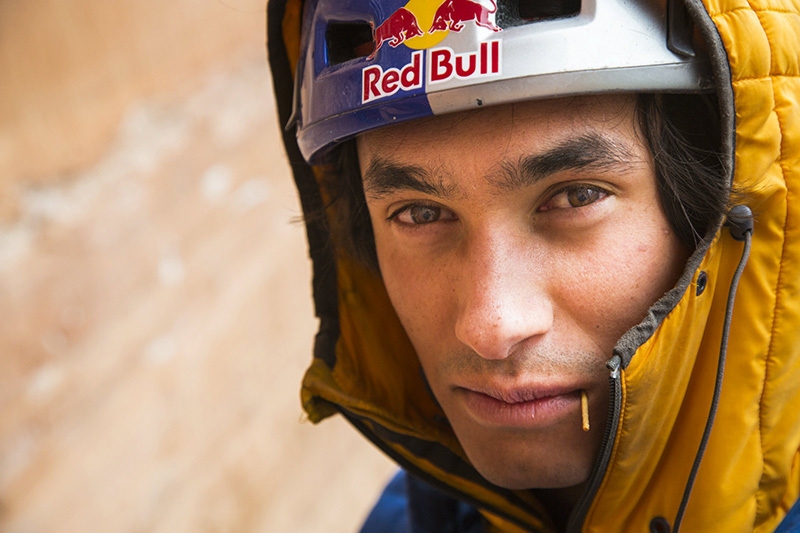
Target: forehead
[[502, 129]]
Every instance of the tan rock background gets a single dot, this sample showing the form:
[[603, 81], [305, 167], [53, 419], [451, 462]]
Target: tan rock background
[[155, 317]]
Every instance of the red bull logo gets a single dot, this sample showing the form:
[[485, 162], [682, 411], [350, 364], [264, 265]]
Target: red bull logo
[[407, 22], [453, 13], [404, 26], [400, 26]]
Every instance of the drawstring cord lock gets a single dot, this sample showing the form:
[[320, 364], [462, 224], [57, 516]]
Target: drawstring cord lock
[[740, 222]]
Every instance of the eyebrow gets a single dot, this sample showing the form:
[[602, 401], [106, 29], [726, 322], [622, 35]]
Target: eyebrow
[[590, 151], [384, 177]]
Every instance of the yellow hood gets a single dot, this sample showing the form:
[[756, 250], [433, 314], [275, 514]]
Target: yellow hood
[[365, 368]]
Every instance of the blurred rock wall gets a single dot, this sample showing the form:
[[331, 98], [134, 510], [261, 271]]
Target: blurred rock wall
[[155, 313], [70, 69]]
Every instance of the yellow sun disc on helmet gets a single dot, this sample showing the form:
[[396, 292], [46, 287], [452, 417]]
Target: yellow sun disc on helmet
[[424, 10]]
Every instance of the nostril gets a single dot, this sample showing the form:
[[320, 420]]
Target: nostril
[[481, 336]]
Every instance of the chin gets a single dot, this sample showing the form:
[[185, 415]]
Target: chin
[[522, 473], [518, 480]]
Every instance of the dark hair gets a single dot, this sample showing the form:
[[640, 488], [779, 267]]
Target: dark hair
[[683, 134], [681, 131]]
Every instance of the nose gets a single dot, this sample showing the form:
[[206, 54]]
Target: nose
[[503, 300]]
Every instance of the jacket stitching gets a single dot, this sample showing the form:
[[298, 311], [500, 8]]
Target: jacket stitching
[[769, 362], [751, 9], [769, 356], [758, 12], [767, 77], [782, 11], [760, 497]]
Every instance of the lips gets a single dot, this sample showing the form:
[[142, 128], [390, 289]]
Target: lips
[[521, 407], [523, 394]]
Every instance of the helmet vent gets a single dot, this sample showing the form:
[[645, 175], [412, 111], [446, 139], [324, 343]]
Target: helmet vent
[[548, 9], [348, 40], [519, 12]]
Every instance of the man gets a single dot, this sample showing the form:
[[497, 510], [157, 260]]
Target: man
[[528, 299]]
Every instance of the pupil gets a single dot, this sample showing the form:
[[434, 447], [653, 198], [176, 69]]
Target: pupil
[[582, 196], [424, 215]]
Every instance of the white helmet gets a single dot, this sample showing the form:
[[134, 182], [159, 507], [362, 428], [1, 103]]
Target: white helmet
[[366, 63]]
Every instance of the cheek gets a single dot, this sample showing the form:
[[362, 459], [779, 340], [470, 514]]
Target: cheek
[[610, 288], [418, 286], [418, 292]]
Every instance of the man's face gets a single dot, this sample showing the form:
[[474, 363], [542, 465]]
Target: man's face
[[517, 244]]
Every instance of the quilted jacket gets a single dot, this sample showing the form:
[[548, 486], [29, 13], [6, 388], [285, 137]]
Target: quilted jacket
[[663, 372]]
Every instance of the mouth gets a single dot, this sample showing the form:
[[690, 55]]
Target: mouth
[[525, 407]]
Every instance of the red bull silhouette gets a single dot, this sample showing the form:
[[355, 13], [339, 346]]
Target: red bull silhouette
[[453, 13], [401, 25]]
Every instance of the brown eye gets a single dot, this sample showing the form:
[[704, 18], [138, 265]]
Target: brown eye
[[574, 196], [424, 214], [581, 196]]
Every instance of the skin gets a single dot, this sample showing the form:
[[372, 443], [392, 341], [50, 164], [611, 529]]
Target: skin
[[517, 244]]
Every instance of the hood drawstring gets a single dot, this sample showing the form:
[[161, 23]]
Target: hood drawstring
[[740, 222]]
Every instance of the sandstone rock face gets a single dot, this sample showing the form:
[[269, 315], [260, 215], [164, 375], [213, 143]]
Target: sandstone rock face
[[155, 313]]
